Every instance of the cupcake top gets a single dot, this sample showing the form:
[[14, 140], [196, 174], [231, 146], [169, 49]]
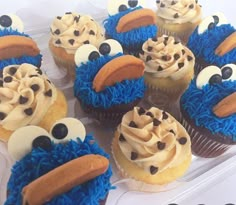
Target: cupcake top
[[153, 139], [16, 47], [25, 96], [166, 57], [43, 158], [179, 11], [72, 30], [210, 100], [214, 41]]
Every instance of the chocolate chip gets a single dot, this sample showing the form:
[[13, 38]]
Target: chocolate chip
[[162, 5], [183, 51], [150, 114], [57, 32], [165, 42], [189, 58], [1, 83], [86, 42], [176, 16], [23, 100], [76, 19], [35, 87], [68, 13], [28, 111], [180, 65], [122, 138], [31, 76], [2, 115], [156, 122], [7, 79], [134, 155], [164, 115], [191, 6], [1, 73], [165, 58], [141, 111], [59, 17], [71, 41], [133, 124], [12, 70], [161, 145], [91, 32], [39, 71], [58, 41], [92, 19], [173, 2], [157, 1], [176, 42], [183, 140], [159, 68], [196, 1], [176, 56], [149, 48], [76, 32], [49, 81], [154, 39], [48, 93], [172, 131], [153, 170], [148, 58]]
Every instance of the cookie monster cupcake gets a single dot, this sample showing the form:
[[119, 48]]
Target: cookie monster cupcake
[[213, 42], [178, 18], [27, 97], [108, 83], [16, 47], [208, 110], [67, 159], [151, 146], [68, 33], [130, 24]]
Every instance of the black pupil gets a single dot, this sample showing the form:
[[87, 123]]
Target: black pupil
[[215, 79], [211, 26], [43, 142], [216, 19], [5, 21], [226, 72], [105, 49], [93, 55], [133, 3], [122, 8], [59, 131]]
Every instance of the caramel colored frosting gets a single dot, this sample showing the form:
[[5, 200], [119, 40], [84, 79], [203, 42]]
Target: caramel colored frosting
[[72, 30], [153, 139], [179, 11], [167, 57], [25, 96]]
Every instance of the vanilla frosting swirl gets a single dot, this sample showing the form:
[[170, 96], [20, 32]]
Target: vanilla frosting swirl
[[153, 138], [167, 57], [179, 11], [25, 96], [72, 30]]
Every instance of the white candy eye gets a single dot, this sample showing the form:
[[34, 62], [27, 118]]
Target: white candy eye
[[67, 129], [110, 47], [209, 75], [228, 72], [211, 22], [11, 22], [24, 139], [116, 6], [85, 53]]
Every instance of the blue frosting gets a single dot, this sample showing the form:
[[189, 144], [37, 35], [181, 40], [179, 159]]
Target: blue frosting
[[198, 103], [204, 45], [123, 92], [132, 40], [39, 162], [11, 32]]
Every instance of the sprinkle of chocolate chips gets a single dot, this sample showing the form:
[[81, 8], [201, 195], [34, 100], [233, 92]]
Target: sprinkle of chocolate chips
[[68, 13], [183, 140], [162, 5], [189, 58], [176, 56], [150, 114], [134, 155], [23, 100], [156, 122], [133, 124], [76, 19], [176, 42], [164, 115], [154, 39], [191, 6], [122, 138], [159, 68], [48, 93], [1, 83], [176, 16], [58, 41], [165, 58], [31, 76], [141, 111], [71, 41], [28, 111], [12, 70], [181, 65], [39, 71], [149, 48], [57, 32], [2, 115], [153, 170], [183, 51], [148, 58], [86, 42], [35, 87], [91, 32], [173, 2], [172, 131], [161, 145], [59, 17], [76, 32], [7, 79]]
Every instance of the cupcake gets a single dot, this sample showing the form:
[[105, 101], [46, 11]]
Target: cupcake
[[130, 24], [169, 67], [69, 32], [108, 83], [27, 97], [178, 18], [16, 47], [65, 166], [151, 146], [213, 42], [208, 110]]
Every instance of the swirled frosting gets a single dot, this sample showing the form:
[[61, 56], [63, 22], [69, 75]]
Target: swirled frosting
[[72, 30], [25, 96], [179, 11], [166, 57], [153, 139]]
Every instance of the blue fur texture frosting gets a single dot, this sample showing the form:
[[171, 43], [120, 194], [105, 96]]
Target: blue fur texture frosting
[[124, 92], [39, 162], [198, 103], [203, 45], [132, 40]]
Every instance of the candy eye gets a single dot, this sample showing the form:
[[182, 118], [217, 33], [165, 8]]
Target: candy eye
[[110, 47], [228, 72], [24, 139], [209, 75], [211, 22], [11, 22], [67, 129], [86, 53], [116, 6]]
